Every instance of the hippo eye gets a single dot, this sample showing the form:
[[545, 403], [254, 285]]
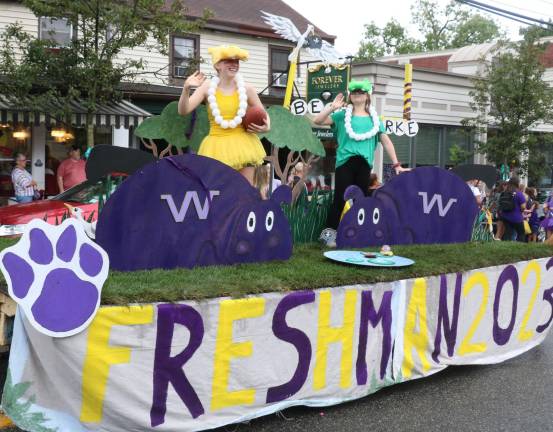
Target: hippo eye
[[269, 220], [376, 216], [251, 222], [361, 217]]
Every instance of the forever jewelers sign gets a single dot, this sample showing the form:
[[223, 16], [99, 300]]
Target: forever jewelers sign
[[323, 85], [326, 86]]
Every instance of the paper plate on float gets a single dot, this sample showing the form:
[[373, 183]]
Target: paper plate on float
[[359, 258]]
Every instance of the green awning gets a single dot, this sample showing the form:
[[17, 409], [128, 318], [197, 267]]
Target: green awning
[[118, 114]]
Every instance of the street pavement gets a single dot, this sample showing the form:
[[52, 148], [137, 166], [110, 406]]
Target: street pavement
[[512, 396]]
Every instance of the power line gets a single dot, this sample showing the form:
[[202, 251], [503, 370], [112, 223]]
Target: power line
[[503, 11], [524, 19], [518, 8], [501, 14]]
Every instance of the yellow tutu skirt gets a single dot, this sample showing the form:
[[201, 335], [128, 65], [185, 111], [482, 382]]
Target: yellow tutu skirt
[[234, 147]]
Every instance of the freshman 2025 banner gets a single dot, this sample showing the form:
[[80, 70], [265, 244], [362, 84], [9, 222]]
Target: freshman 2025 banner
[[194, 366]]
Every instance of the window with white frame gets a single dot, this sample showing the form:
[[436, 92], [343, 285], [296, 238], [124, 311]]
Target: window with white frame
[[279, 66], [184, 51], [57, 30]]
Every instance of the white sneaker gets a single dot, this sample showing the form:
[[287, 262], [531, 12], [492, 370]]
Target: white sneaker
[[328, 237]]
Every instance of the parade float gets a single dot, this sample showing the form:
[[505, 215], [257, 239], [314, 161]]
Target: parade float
[[193, 309], [193, 349]]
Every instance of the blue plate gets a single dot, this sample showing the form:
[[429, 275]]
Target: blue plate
[[358, 258]]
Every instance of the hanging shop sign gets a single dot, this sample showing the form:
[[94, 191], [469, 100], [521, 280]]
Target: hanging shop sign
[[323, 85], [326, 83]]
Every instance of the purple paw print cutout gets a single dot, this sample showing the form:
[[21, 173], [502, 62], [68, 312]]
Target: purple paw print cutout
[[56, 274]]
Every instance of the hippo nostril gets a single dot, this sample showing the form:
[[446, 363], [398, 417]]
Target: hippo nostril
[[242, 247], [379, 234], [273, 241], [350, 232]]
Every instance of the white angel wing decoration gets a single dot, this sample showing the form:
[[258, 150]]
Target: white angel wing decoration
[[282, 26], [286, 29], [329, 54]]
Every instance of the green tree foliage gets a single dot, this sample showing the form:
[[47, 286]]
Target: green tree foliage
[[92, 65], [539, 146], [179, 131], [391, 39], [511, 97], [476, 29], [537, 30], [292, 132], [452, 26], [458, 155], [295, 133]]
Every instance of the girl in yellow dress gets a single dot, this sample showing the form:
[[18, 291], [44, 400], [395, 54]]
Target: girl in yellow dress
[[227, 98]]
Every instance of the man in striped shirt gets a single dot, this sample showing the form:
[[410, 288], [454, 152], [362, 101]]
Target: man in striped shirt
[[23, 183]]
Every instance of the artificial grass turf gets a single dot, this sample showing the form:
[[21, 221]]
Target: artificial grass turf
[[307, 269]]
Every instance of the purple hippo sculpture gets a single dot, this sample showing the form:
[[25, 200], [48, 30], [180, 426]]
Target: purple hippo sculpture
[[188, 210], [426, 205]]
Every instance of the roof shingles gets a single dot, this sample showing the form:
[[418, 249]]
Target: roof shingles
[[247, 14]]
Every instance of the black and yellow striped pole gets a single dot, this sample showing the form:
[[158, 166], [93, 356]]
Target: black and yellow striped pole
[[407, 91]]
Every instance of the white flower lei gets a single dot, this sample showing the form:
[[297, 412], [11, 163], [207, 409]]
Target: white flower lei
[[366, 135], [216, 112]]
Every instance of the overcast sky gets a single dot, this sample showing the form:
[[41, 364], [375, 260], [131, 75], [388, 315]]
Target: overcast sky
[[345, 18]]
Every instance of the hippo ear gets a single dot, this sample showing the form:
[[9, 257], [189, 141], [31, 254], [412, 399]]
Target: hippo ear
[[353, 192], [282, 194]]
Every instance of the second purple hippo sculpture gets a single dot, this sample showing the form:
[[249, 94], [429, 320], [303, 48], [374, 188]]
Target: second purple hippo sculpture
[[188, 210], [426, 205]]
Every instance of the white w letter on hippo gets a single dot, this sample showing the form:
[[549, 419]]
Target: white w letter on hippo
[[436, 198], [201, 211]]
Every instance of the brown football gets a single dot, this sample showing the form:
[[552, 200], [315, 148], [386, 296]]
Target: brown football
[[254, 115]]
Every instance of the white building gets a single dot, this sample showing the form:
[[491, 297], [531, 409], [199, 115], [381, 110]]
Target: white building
[[440, 100], [235, 22]]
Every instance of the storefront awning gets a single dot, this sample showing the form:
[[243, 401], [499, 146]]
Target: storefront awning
[[119, 114]]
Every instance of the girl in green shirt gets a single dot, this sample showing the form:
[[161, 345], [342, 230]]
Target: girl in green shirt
[[358, 130]]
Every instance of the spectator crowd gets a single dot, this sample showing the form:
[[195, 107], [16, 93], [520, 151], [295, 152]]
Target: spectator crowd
[[517, 214]]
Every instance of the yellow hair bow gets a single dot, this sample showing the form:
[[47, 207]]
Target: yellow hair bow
[[227, 52]]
